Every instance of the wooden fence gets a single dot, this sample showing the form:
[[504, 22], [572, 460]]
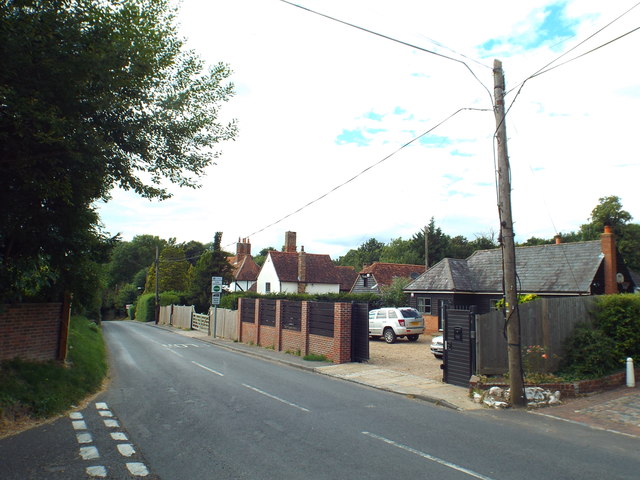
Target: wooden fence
[[184, 316], [547, 322]]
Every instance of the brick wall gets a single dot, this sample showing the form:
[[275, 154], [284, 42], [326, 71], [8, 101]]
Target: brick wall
[[336, 348], [431, 325], [570, 389], [31, 331]]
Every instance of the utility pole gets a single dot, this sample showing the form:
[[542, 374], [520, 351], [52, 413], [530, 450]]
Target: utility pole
[[516, 382], [157, 312]]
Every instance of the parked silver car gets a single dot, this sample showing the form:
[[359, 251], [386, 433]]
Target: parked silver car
[[437, 346], [392, 323]]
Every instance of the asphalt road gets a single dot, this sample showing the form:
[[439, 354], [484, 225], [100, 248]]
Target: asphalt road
[[192, 410]]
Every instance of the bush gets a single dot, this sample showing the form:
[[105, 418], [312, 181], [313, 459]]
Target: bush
[[171, 298], [618, 317], [146, 308], [590, 353]]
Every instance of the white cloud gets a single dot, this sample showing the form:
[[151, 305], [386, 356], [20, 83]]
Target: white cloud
[[303, 80]]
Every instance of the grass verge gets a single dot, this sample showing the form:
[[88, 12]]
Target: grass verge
[[39, 390]]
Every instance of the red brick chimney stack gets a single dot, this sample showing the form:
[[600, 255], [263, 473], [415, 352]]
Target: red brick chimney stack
[[608, 243], [302, 271], [290, 242], [558, 239], [243, 248]]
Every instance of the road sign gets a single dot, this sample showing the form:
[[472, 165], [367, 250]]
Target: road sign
[[215, 299], [216, 288], [216, 282]]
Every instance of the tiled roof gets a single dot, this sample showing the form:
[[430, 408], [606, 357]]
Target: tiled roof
[[245, 269], [347, 276], [319, 268], [384, 273], [555, 268]]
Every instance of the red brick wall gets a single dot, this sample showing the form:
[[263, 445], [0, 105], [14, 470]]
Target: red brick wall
[[572, 389], [336, 348], [431, 325], [30, 331]]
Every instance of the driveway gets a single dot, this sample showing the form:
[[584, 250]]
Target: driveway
[[414, 358]]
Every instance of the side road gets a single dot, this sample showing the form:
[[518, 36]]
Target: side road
[[617, 411]]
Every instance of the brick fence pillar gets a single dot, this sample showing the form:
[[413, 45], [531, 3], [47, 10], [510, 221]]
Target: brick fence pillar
[[304, 328], [278, 340], [239, 327], [342, 333]]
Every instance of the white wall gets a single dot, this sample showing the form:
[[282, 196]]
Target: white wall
[[268, 275]]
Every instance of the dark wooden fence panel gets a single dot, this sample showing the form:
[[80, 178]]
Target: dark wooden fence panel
[[267, 313], [291, 315], [248, 310], [546, 321], [359, 332], [321, 318]]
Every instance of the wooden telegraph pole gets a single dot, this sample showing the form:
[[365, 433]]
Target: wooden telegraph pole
[[157, 309], [516, 382]]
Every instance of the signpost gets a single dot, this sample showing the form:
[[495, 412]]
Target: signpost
[[216, 290]]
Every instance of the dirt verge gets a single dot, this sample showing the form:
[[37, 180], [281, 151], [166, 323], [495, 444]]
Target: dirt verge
[[414, 358]]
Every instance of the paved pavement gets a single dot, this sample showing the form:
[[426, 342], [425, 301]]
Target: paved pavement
[[615, 411]]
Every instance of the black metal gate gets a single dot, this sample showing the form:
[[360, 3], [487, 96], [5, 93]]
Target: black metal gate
[[459, 345], [359, 332]]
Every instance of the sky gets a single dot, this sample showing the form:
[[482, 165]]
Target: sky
[[345, 135]]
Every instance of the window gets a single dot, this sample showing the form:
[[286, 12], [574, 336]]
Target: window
[[365, 281], [267, 287], [393, 314], [424, 305]]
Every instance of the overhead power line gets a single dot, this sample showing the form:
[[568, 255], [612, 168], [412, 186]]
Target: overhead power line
[[387, 37], [369, 167]]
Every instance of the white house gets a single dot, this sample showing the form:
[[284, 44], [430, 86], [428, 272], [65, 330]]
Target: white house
[[298, 272]]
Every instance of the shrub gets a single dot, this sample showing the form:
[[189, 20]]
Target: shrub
[[146, 308], [171, 298], [589, 353], [618, 317]]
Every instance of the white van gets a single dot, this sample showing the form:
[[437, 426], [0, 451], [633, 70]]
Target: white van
[[392, 323]]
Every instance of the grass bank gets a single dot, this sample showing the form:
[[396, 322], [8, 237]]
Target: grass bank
[[39, 390]]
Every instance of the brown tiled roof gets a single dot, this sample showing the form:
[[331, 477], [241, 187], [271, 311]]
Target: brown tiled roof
[[384, 273], [244, 268], [319, 268], [348, 277]]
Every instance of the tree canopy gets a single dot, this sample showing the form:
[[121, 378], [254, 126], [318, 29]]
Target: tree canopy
[[93, 95]]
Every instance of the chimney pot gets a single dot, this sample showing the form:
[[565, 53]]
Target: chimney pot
[[558, 239]]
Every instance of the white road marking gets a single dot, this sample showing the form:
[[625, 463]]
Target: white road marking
[[97, 471], [110, 423], [208, 369], [84, 437], [105, 413], [76, 416], [89, 453], [138, 469], [274, 397], [174, 352], [126, 449], [453, 466], [79, 425], [118, 436], [101, 406]]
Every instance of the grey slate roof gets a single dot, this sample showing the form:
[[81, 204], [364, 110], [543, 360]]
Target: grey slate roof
[[556, 268]]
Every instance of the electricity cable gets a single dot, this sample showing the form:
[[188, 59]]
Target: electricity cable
[[369, 167], [386, 37]]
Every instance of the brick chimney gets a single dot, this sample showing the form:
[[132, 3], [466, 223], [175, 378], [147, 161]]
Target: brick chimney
[[290, 242], [302, 270], [608, 243], [558, 239], [243, 248]]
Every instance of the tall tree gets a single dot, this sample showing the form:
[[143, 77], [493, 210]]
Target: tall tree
[[211, 263], [173, 271], [366, 254], [92, 94]]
